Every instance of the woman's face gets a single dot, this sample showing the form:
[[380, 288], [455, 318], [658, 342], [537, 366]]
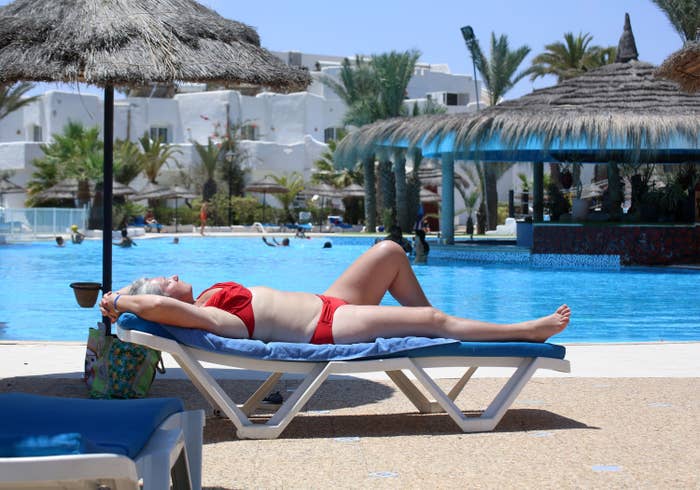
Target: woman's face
[[175, 288]]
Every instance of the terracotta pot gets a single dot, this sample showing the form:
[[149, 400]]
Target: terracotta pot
[[86, 293]]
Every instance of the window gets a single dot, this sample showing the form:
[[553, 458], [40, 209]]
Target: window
[[455, 99], [249, 132], [37, 133], [159, 132], [331, 134]]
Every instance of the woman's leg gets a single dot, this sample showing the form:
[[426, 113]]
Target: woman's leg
[[382, 268], [362, 323]]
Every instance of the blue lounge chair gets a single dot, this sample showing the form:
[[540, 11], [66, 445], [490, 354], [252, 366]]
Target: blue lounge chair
[[191, 347], [51, 442]]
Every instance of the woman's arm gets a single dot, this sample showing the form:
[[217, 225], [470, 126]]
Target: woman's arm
[[170, 311]]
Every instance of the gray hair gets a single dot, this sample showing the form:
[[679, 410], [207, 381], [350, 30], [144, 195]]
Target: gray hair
[[146, 285]]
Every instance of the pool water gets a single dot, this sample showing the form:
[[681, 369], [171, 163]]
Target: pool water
[[643, 304]]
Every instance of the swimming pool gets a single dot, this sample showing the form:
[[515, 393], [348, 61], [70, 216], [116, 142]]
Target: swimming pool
[[608, 306]]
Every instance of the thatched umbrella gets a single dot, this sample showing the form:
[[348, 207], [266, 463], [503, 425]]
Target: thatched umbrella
[[427, 196], [71, 188], [7, 187], [265, 186], [157, 191], [132, 43], [683, 66], [353, 190]]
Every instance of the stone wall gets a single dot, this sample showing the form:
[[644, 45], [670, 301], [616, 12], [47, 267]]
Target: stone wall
[[634, 244]]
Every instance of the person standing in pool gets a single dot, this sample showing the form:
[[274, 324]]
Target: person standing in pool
[[347, 312]]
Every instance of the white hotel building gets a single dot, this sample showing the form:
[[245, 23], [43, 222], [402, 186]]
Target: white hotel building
[[282, 133]]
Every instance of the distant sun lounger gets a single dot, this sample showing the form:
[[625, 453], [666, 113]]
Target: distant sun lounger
[[191, 347]]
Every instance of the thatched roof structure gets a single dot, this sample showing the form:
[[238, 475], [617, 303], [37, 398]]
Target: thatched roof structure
[[683, 67], [620, 111], [132, 43]]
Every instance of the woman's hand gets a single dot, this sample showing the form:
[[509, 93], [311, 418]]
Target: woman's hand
[[107, 306]]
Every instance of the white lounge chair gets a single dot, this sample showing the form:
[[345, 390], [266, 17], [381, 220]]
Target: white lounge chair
[[191, 347], [68, 443]]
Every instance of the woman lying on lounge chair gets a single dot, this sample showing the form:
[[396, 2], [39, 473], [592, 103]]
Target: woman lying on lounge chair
[[347, 312]]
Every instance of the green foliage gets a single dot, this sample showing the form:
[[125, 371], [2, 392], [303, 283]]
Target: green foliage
[[294, 184], [558, 204], [684, 16], [394, 70], [498, 71], [12, 97], [571, 58], [77, 153], [128, 161], [155, 154], [123, 213], [209, 157], [358, 88]]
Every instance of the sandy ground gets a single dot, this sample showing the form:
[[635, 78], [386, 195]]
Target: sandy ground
[[562, 432]]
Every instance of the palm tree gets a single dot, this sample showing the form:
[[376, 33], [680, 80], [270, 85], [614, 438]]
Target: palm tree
[[209, 156], [294, 184], [394, 71], [358, 88], [570, 58], [75, 154], [684, 16], [498, 72], [155, 154], [11, 97], [325, 171], [128, 161]]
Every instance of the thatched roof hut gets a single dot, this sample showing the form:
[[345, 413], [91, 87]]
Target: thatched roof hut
[[620, 111], [683, 66], [132, 43]]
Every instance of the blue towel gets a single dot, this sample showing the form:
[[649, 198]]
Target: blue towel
[[380, 348], [33, 425]]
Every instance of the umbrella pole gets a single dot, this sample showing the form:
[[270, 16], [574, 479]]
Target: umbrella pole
[[107, 172], [263, 216], [176, 215]]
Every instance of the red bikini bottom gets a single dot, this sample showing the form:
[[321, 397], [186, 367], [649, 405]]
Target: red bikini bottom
[[324, 329]]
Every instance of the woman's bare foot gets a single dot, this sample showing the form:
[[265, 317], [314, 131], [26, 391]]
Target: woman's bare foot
[[541, 329]]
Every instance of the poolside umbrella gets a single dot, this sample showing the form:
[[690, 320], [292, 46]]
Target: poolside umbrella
[[353, 190], [683, 66], [70, 189], [429, 196], [322, 190], [7, 187], [266, 186], [132, 43], [158, 191]]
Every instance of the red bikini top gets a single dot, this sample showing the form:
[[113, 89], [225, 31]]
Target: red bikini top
[[236, 299]]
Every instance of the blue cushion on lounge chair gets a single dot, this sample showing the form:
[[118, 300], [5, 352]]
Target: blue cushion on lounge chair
[[380, 348], [34, 425]]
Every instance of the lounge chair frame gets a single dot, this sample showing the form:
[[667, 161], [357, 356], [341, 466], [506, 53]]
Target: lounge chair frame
[[174, 450], [315, 373]]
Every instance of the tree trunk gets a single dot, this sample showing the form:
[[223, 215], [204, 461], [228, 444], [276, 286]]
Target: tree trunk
[[401, 192], [209, 189], [413, 191], [491, 197], [388, 194], [370, 195], [614, 192]]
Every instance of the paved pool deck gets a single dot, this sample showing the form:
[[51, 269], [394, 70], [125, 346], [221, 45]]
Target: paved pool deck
[[625, 417]]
